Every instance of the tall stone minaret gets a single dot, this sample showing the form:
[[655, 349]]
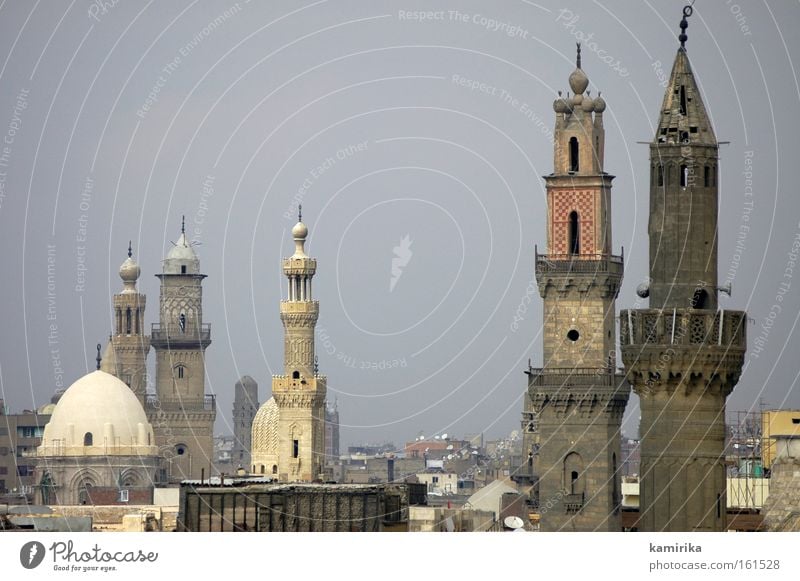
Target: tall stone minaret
[[577, 397], [682, 355], [183, 415], [126, 353], [300, 393], [245, 406]]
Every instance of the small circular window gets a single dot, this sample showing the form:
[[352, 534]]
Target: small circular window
[[180, 450], [573, 335]]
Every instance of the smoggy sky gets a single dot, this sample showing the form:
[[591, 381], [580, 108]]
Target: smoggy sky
[[419, 141]]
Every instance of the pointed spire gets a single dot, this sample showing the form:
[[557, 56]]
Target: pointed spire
[[687, 12], [183, 224], [98, 359], [578, 57], [299, 212], [130, 250], [684, 119]]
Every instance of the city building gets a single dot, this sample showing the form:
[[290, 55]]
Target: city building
[[682, 354], [332, 438], [774, 423], [577, 398], [20, 435], [251, 504], [181, 412]]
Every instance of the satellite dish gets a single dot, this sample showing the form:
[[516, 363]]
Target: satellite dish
[[643, 290], [513, 522]]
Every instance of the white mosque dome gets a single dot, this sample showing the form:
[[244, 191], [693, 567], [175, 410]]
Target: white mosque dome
[[98, 416]]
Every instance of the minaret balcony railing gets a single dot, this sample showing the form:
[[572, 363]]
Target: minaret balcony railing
[[208, 403], [579, 376], [579, 263], [175, 333], [688, 327]]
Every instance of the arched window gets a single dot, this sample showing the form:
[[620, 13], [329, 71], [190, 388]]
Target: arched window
[[128, 321], [574, 233], [84, 495], [87, 439], [684, 175], [180, 371], [263, 469], [274, 469], [660, 174], [573, 154], [573, 473], [706, 176], [295, 374]]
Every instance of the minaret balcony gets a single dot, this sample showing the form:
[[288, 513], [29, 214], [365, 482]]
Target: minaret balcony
[[579, 263], [693, 347], [177, 335], [642, 327], [207, 403]]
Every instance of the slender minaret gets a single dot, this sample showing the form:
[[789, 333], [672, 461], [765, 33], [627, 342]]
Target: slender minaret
[[577, 398], [682, 355], [182, 414], [300, 393], [126, 353], [245, 406]]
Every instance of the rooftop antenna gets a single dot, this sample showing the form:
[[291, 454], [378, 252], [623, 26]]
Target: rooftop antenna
[[99, 359], [687, 12], [299, 212], [183, 224]]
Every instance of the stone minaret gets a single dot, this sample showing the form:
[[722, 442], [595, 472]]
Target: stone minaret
[[245, 406], [300, 393], [682, 355], [577, 397], [127, 349], [182, 414]]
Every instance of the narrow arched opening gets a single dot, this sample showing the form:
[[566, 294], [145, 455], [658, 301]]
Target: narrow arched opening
[[574, 164], [574, 233], [87, 439]]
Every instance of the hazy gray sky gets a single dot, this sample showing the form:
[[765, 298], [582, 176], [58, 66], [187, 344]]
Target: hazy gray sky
[[430, 135]]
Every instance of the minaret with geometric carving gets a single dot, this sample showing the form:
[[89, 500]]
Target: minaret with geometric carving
[[126, 353], [182, 413], [300, 392], [682, 354], [577, 398]]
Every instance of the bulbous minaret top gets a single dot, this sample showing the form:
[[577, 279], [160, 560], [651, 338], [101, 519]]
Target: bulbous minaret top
[[299, 233], [129, 272]]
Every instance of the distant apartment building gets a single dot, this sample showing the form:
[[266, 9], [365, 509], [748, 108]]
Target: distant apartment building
[[20, 434]]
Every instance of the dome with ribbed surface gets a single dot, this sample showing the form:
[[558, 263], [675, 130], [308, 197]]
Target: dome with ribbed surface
[[265, 430]]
